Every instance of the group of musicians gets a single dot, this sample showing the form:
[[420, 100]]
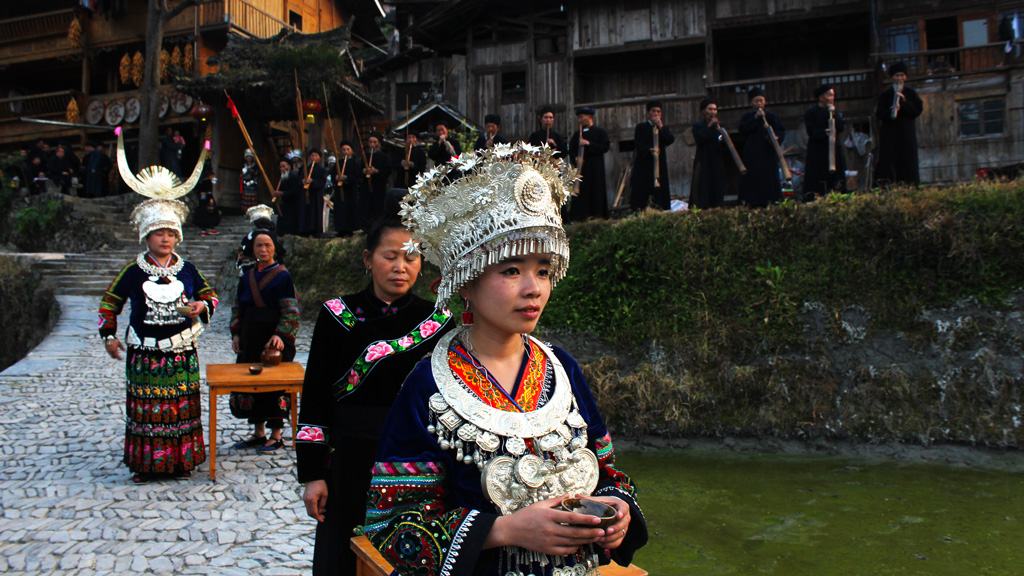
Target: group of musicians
[[762, 159], [363, 182]]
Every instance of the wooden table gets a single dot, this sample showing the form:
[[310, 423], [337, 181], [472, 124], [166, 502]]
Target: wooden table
[[225, 378], [369, 562]]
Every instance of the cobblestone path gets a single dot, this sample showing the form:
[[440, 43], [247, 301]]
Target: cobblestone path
[[67, 501]]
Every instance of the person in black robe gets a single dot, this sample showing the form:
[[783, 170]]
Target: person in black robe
[[818, 179], [761, 185], [707, 184], [96, 168], [897, 148], [313, 208], [346, 193], [59, 169], [373, 185], [592, 201], [265, 316], [409, 169], [207, 215], [642, 186], [445, 148], [547, 134], [289, 194], [363, 347], [170, 152], [490, 138]]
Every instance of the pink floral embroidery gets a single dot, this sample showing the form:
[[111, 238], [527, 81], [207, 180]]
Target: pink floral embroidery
[[406, 341], [428, 328], [378, 351], [310, 434], [353, 377], [336, 306]]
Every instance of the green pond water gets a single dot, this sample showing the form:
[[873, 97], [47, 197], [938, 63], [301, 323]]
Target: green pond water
[[825, 516]]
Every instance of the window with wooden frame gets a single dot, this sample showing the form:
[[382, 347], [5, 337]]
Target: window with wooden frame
[[983, 118]]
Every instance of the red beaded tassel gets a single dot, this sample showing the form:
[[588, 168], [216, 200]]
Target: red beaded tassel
[[467, 316]]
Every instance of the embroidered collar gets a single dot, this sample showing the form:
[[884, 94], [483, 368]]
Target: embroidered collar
[[528, 389]]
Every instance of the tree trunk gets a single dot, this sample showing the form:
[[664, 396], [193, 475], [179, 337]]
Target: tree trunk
[[149, 121]]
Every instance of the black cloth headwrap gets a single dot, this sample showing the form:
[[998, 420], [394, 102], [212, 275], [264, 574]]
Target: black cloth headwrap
[[821, 90], [897, 67]]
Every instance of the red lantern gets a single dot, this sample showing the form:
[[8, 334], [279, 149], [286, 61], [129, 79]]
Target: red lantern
[[311, 108], [202, 111]]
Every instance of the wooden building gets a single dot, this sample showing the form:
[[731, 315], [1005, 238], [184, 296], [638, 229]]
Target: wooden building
[[513, 57], [55, 52]]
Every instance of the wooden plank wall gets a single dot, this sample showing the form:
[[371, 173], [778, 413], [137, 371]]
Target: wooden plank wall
[[608, 23], [725, 9], [946, 157]]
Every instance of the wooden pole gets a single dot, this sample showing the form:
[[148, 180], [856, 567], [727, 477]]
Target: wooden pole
[[248, 141]]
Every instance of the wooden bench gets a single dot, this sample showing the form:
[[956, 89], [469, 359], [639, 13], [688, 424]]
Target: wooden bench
[[369, 562]]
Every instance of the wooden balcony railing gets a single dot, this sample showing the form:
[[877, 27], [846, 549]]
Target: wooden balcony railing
[[848, 84], [957, 61], [49, 105], [243, 17], [34, 26]]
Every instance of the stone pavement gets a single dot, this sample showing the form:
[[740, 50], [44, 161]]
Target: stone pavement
[[67, 501]]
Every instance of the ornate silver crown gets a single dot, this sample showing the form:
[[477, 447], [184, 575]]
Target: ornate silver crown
[[162, 187], [260, 211], [485, 207]]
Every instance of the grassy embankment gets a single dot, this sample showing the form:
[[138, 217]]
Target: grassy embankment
[[738, 322]]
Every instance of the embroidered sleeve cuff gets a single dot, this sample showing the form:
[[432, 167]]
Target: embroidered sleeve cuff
[[466, 548], [636, 535]]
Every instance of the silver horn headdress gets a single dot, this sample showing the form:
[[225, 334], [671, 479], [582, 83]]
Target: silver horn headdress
[[162, 187], [507, 202]]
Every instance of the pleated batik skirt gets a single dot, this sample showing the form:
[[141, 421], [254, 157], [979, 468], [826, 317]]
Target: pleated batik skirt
[[164, 429]]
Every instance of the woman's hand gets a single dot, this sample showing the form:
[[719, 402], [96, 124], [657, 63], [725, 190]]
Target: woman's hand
[[113, 348], [616, 533], [314, 496], [197, 308], [543, 528], [275, 343], [236, 346]]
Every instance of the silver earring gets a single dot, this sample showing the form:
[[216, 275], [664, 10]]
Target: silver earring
[[369, 272]]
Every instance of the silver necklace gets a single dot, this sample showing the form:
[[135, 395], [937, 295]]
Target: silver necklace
[[160, 271]]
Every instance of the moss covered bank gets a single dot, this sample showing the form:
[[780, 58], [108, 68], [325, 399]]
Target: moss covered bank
[[878, 317]]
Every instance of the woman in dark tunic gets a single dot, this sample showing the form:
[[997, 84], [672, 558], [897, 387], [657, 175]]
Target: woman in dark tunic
[[760, 186], [707, 186], [818, 179], [170, 302], [265, 316], [364, 345]]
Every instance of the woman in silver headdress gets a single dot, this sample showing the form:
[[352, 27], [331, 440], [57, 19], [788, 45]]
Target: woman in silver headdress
[[489, 436], [170, 301]]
